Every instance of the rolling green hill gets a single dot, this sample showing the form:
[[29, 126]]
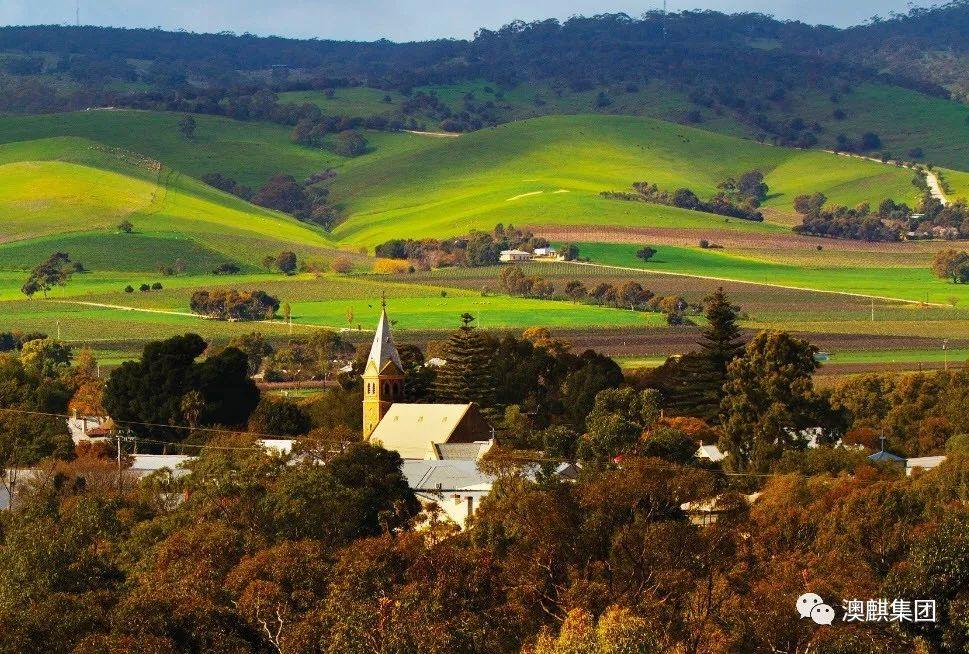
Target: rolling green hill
[[249, 152], [58, 186], [904, 119], [66, 181], [551, 170]]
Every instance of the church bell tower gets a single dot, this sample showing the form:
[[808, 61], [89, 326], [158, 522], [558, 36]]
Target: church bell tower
[[383, 378]]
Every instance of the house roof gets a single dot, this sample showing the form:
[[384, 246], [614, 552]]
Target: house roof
[[412, 428], [383, 349], [446, 475], [516, 252], [711, 452], [147, 463], [926, 462]]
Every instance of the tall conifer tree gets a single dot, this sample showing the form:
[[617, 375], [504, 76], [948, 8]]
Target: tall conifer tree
[[467, 376], [693, 385]]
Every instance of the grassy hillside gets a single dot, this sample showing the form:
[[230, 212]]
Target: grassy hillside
[[249, 152], [550, 171], [53, 187], [904, 119]]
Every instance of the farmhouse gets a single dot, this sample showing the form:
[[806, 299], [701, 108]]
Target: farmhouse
[[512, 256]]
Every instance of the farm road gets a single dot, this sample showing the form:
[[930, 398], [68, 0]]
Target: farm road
[[187, 314]]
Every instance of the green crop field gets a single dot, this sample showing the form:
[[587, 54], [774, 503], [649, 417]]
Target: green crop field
[[915, 284]]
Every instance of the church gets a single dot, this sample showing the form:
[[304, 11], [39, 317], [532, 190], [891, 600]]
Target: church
[[415, 431]]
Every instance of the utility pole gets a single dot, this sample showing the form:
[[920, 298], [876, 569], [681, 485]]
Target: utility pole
[[664, 20], [873, 309], [945, 354], [77, 13], [119, 462]]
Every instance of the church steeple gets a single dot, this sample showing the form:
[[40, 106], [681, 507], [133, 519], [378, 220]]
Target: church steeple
[[383, 377]]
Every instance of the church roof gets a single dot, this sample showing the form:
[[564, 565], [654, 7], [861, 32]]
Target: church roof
[[885, 456], [412, 429], [383, 348]]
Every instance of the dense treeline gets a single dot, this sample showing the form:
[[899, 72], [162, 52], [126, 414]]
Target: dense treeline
[[890, 221], [473, 250], [736, 198], [718, 61], [626, 295]]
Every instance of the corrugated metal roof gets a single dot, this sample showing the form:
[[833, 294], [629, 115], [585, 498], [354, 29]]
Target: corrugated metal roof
[[885, 456], [460, 451], [152, 462], [448, 475]]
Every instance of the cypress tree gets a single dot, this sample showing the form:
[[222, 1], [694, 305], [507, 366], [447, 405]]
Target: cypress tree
[[693, 385], [467, 376]]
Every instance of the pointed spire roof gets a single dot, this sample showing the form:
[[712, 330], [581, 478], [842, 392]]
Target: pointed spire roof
[[383, 348]]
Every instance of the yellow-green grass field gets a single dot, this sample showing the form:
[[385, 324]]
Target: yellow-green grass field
[[912, 283], [249, 152], [53, 187]]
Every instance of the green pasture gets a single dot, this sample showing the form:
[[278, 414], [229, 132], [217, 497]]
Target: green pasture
[[903, 119], [70, 185], [249, 152], [914, 284], [955, 356], [116, 251], [550, 171]]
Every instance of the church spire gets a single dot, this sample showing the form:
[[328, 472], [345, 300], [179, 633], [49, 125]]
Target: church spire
[[383, 348], [383, 377]]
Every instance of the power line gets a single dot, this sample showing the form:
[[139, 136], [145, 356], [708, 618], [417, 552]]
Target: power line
[[212, 430]]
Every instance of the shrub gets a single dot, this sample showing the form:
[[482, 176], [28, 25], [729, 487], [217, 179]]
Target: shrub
[[156, 286], [342, 264], [390, 266], [226, 269], [350, 143]]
